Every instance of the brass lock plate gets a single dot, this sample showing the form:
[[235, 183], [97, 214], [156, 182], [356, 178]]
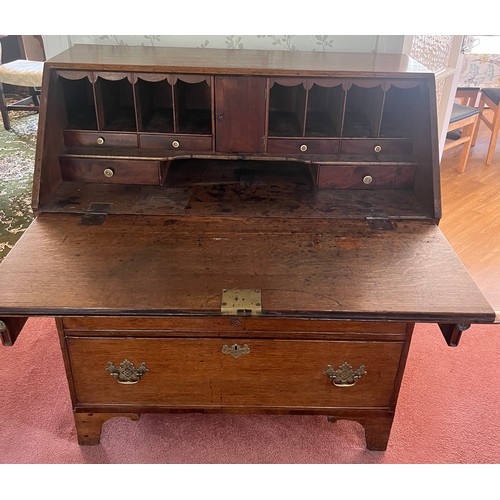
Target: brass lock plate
[[241, 301]]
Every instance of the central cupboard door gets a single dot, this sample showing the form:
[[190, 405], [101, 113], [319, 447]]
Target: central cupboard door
[[240, 107]]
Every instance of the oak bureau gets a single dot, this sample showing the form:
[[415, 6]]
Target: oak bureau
[[236, 231]]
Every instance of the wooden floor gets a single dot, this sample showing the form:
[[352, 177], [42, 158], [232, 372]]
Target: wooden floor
[[471, 214]]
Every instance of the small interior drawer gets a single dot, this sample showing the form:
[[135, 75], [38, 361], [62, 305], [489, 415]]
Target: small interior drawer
[[303, 146], [366, 177], [365, 146], [75, 138], [173, 142], [114, 171]]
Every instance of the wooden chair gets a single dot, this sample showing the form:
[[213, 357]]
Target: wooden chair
[[490, 97], [464, 119], [25, 72], [467, 96]]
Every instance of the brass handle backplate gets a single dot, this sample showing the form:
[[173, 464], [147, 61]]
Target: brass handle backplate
[[127, 373], [236, 350], [345, 375]]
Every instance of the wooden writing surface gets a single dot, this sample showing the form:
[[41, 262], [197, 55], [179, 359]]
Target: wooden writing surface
[[166, 265]]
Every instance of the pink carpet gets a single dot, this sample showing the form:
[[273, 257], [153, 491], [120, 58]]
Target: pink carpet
[[448, 412]]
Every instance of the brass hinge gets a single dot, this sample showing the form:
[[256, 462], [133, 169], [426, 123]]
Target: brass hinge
[[380, 222], [96, 214], [241, 302]]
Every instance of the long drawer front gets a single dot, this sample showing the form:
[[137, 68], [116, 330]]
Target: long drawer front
[[218, 372]]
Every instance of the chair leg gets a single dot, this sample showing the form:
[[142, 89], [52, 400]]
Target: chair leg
[[468, 131], [3, 109], [481, 112], [494, 136], [34, 96]]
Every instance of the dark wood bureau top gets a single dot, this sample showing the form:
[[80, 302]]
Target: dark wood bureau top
[[157, 265], [230, 61]]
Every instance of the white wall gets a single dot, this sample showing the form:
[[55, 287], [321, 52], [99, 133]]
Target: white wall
[[338, 43], [54, 44]]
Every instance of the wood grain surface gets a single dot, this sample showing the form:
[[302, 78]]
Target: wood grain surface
[[226, 61], [133, 265], [194, 372]]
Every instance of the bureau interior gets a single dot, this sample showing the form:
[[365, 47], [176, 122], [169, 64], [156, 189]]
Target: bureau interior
[[319, 107], [117, 130]]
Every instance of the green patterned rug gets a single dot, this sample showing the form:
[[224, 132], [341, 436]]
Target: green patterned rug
[[17, 158]]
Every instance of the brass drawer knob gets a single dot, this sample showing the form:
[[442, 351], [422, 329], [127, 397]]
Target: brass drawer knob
[[108, 172], [345, 375], [127, 373], [303, 148], [175, 144], [100, 141], [236, 350], [377, 148], [367, 179]]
